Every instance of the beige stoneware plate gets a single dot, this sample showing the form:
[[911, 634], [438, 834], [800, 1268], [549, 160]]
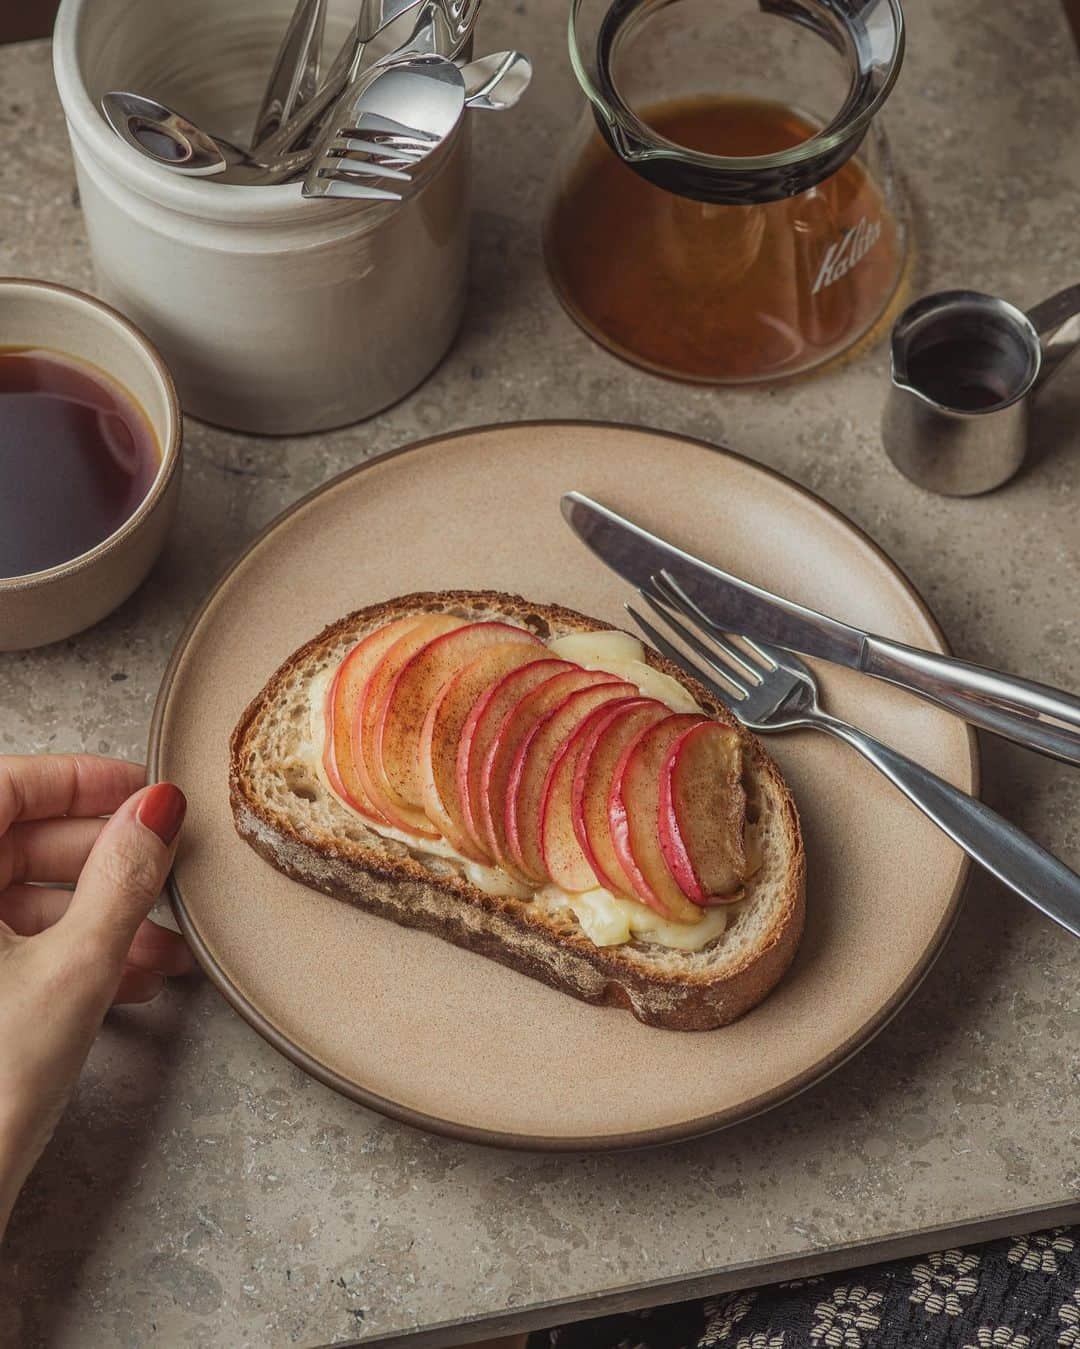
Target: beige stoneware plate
[[448, 1040]]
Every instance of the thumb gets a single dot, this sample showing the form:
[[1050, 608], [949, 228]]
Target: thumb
[[126, 870]]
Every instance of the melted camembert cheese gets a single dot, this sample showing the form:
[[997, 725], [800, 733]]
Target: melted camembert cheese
[[604, 918]]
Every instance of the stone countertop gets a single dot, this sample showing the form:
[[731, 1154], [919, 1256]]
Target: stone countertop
[[202, 1191]]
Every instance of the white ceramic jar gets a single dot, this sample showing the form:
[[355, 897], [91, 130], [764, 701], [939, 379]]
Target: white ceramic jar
[[276, 314]]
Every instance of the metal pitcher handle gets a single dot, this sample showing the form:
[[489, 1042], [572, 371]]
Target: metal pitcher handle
[[1057, 321]]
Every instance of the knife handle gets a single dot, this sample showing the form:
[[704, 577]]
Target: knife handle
[[987, 837], [1033, 715]]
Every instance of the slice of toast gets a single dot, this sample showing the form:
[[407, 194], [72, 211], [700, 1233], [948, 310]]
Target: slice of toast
[[283, 808]]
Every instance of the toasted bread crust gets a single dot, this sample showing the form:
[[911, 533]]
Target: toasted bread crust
[[409, 892]]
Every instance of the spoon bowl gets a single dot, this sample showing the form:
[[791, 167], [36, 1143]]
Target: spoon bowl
[[173, 141]]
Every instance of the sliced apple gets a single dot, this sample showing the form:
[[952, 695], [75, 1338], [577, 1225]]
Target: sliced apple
[[442, 731], [481, 727], [634, 810], [595, 771], [342, 699], [529, 770], [409, 697], [516, 725], [366, 720], [565, 860], [702, 813]]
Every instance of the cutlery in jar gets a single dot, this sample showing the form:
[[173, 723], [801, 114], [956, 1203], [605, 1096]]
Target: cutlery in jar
[[174, 142], [306, 124], [294, 78], [401, 112]]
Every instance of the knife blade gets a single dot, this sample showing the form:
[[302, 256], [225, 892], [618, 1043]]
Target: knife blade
[[1031, 714], [636, 555]]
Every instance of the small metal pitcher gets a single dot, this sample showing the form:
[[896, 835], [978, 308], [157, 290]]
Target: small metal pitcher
[[964, 367]]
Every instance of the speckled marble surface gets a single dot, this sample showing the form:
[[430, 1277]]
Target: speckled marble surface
[[202, 1191]]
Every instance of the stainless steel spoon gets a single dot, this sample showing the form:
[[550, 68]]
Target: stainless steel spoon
[[170, 139], [496, 82]]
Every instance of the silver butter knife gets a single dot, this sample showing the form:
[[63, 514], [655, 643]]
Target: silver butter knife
[[1033, 715]]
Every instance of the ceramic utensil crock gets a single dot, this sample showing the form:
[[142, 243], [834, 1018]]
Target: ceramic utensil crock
[[276, 316]]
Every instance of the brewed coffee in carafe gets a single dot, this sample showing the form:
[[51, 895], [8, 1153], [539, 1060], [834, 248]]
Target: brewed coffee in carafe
[[722, 236]]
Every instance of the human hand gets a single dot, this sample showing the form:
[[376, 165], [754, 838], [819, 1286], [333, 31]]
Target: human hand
[[66, 956]]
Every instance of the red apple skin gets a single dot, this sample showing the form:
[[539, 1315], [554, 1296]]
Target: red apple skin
[[516, 725], [529, 770], [593, 776], [411, 693], [479, 732], [565, 861], [633, 811], [366, 720], [702, 813], [441, 734], [342, 698]]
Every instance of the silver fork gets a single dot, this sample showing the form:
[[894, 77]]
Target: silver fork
[[376, 141], [769, 689], [377, 148], [449, 18], [380, 147]]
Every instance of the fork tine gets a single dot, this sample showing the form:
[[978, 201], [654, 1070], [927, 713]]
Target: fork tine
[[694, 642], [374, 123], [668, 584], [734, 656], [681, 603], [378, 152], [346, 187], [769, 654], [726, 696], [345, 167], [677, 597], [773, 657], [384, 140]]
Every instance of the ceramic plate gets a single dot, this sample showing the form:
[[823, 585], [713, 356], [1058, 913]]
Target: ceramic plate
[[448, 1040]]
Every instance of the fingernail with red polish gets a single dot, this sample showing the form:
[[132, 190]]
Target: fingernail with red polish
[[162, 809]]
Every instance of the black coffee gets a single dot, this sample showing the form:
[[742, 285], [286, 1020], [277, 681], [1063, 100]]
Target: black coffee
[[77, 456]]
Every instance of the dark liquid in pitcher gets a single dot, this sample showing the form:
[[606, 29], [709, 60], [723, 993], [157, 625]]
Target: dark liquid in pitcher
[[77, 456], [721, 293], [965, 374]]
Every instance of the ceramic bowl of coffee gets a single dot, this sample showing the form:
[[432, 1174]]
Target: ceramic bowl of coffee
[[90, 475]]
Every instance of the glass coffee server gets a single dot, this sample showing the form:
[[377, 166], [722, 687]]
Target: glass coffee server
[[726, 210]]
